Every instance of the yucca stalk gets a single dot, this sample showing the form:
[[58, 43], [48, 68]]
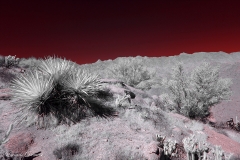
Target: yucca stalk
[[31, 90]]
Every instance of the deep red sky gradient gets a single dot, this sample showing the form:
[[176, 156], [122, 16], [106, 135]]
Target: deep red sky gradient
[[85, 31]]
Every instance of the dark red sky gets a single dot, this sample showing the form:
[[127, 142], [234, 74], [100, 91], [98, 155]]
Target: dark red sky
[[85, 31]]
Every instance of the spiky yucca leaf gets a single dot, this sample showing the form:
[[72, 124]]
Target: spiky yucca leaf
[[55, 67], [5, 139], [32, 90], [82, 82]]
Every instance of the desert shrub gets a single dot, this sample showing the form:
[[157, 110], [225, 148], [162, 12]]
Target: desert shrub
[[159, 104], [57, 89], [10, 61], [194, 94], [196, 147], [131, 71], [177, 86], [6, 76], [209, 88], [194, 126], [2, 60], [157, 118], [220, 125], [30, 63], [68, 151]]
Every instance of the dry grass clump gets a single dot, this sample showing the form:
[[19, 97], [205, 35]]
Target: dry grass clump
[[125, 154], [68, 151], [195, 125]]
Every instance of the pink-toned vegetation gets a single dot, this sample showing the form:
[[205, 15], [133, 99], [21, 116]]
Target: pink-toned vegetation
[[130, 132]]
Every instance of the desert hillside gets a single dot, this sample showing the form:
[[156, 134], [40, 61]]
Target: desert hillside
[[124, 112]]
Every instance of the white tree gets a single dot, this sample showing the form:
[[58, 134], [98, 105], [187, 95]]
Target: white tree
[[178, 86], [208, 88], [195, 94]]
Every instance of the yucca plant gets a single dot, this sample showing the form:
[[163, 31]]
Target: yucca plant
[[85, 90], [32, 90], [39, 91], [58, 89], [56, 67], [82, 82], [67, 151]]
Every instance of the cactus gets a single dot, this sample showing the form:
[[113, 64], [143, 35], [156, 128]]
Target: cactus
[[160, 138], [11, 61], [193, 147], [237, 124], [5, 139], [228, 156], [169, 146], [190, 146], [218, 153]]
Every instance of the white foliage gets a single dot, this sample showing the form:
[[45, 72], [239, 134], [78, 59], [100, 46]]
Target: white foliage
[[198, 91], [131, 71], [170, 148], [166, 100], [209, 87], [195, 145], [11, 61], [177, 85]]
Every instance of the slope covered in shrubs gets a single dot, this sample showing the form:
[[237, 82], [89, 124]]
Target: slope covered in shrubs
[[55, 92]]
